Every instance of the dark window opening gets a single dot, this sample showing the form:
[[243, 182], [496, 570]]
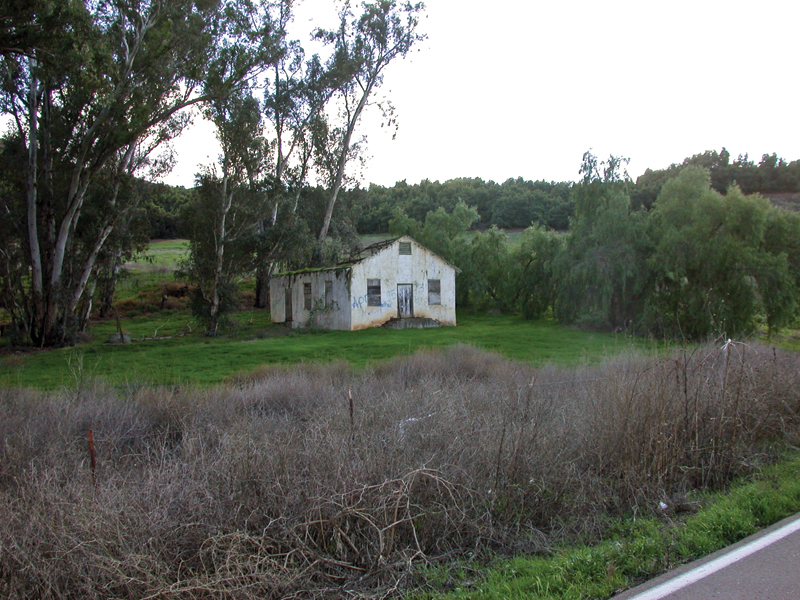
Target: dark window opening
[[307, 296], [328, 293], [434, 291], [373, 292]]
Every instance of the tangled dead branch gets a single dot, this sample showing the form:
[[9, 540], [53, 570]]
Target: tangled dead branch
[[317, 482]]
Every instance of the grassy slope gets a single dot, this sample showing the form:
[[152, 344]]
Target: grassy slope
[[196, 358], [156, 265], [163, 253]]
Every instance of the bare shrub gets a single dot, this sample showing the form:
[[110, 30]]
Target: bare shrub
[[318, 481]]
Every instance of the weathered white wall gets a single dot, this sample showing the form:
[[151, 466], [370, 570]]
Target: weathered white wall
[[351, 310], [392, 269], [335, 317]]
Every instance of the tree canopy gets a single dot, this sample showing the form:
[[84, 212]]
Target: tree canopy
[[99, 94]]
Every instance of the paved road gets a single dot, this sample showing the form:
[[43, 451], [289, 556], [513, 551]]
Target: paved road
[[765, 566]]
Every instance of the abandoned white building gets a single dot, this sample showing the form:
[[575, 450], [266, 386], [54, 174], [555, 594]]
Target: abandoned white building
[[395, 283]]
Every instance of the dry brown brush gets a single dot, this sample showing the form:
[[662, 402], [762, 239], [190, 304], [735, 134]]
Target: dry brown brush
[[278, 485]]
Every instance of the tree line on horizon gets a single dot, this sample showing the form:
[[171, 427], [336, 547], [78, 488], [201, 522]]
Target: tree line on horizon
[[514, 204]]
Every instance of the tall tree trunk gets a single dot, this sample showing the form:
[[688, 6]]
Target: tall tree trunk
[[227, 199], [87, 307], [316, 259], [38, 309], [264, 268], [108, 284]]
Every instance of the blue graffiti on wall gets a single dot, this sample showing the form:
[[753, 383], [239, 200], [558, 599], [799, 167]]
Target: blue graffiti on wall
[[362, 302]]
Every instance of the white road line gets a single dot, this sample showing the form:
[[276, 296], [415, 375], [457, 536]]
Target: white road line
[[698, 573]]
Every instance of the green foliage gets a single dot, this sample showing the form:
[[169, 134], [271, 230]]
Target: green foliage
[[771, 175], [515, 204], [442, 232], [536, 259], [602, 271], [495, 275], [779, 277], [485, 281], [715, 270], [698, 264], [514, 278], [163, 206]]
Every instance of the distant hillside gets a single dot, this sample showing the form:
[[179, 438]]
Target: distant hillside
[[787, 200]]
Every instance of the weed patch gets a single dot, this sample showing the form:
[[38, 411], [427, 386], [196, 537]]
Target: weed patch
[[318, 480], [645, 549]]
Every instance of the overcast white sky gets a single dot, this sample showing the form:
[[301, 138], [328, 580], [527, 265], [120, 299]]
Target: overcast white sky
[[522, 88]]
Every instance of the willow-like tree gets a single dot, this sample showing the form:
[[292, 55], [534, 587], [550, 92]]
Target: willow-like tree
[[602, 271], [720, 261]]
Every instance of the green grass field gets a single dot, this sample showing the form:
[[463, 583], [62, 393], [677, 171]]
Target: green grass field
[[162, 253], [188, 356], [156, 265], [253, 341]]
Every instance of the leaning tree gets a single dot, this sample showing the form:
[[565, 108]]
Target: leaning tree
[[363, 47]]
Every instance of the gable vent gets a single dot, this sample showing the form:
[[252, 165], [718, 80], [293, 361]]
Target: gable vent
[[405, 248]]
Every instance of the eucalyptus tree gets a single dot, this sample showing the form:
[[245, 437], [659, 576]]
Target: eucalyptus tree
[[111, 77], [363, 46], [228, 239], [222, 221], [241, 197], [296, 94]]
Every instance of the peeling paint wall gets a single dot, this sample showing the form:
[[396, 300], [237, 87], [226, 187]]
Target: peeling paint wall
[[349, 303], [393, 269], [330, 313]]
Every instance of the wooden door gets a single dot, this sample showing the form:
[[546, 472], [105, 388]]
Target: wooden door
[[405, 300], [288, 297]]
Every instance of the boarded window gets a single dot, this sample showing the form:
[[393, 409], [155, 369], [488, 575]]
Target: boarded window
[[434, 291], [328, 293], [373, 292], [307, 296], [405, 248]]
